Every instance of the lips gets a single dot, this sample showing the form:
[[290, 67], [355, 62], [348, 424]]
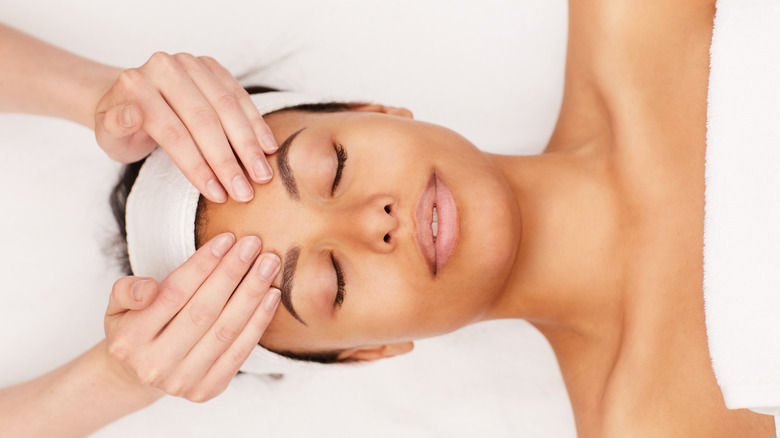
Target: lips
[[447, 236], [436, 253]]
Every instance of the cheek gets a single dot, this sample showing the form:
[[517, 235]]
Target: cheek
[[404, 307]]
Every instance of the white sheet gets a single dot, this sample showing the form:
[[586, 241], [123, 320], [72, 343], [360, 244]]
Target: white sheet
[[496, 379]]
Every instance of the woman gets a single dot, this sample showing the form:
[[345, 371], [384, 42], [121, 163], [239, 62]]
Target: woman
[[597, 242], [623, 311]]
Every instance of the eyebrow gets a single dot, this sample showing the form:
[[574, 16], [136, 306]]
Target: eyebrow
[[285, 173], [288, 272]]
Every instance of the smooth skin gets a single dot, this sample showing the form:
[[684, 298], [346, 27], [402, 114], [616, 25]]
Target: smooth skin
[[368, 224], [606, 250]]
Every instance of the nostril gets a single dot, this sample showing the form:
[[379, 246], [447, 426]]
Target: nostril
[[387, 209], [387, 238]]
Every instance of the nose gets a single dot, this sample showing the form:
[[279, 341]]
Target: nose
[[373, 223]]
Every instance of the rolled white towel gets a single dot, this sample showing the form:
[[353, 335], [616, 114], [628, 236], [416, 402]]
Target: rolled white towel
[[742, 220]]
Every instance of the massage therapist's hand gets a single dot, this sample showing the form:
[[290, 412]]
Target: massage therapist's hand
[[195, 110], [189, 335]]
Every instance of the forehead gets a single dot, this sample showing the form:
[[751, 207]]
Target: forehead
[[285, 122]]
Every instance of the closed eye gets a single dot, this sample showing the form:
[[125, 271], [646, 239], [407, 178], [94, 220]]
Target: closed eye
[[341, 156], [339, 282]]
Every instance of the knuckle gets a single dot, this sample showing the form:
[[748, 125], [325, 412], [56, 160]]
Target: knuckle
[[117, 289], [235, 272], [250, 144], [131, 77], [152, 377], [239, 356], [208, 61], [203, 173], [183, 57], [226, 335], [198, 396], [206, 118], [256, 120], [171, 295], [203, 267], [161, 59], [227, 162], [201, 314], [174, 134], [261, 324], [240, 91], [174, 387], [227, 102], [256, 288], [118, 349]]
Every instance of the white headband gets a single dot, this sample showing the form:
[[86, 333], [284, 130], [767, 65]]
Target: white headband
[[160, 223]]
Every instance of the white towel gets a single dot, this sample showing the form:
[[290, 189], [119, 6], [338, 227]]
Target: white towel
[[742, 220]]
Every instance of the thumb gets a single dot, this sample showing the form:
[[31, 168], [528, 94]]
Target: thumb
[[131, 293], [122, 120], [117, 132]]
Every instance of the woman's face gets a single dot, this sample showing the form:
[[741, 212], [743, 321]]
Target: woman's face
[[360, 267]]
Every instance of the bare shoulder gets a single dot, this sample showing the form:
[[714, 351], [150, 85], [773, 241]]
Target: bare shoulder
[[628, 42], [634, 57], [643, 402], [635, 20]]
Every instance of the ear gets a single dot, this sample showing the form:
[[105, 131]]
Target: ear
[[384, 109], [362, 354]]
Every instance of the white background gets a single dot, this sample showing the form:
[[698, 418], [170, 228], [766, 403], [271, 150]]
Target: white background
[[491, 70]]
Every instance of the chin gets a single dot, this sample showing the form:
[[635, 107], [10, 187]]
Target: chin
[[491, 232]]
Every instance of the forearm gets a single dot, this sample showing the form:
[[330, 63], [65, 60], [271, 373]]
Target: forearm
[[72, 401], [38, 78]]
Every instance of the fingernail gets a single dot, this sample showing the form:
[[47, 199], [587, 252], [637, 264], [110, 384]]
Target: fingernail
[[268, 266], [242, 188], [270, 143], [139, 290], [222, 245], [262, 169], [126, 116], [216, 191], [271, 299], [249, 248]]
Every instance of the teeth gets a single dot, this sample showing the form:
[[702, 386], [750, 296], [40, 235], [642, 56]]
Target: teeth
[[435, 223]]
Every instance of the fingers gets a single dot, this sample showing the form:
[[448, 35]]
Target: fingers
[[259, 127], [177, 289], [241, 122], [199, 113], [214, 110], [203, 309], [227, 344], [202, 121], [168, 129], [205, 320], [228, 364]]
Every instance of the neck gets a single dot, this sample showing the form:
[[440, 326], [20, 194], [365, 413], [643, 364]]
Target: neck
[[567, 272]]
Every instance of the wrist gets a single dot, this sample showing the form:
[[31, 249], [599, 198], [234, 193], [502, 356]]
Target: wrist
[[39, 78], [122, 381], [94, 84]]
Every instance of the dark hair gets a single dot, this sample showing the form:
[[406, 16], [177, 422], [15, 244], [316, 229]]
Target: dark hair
[[129, 173], [118, 202]]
